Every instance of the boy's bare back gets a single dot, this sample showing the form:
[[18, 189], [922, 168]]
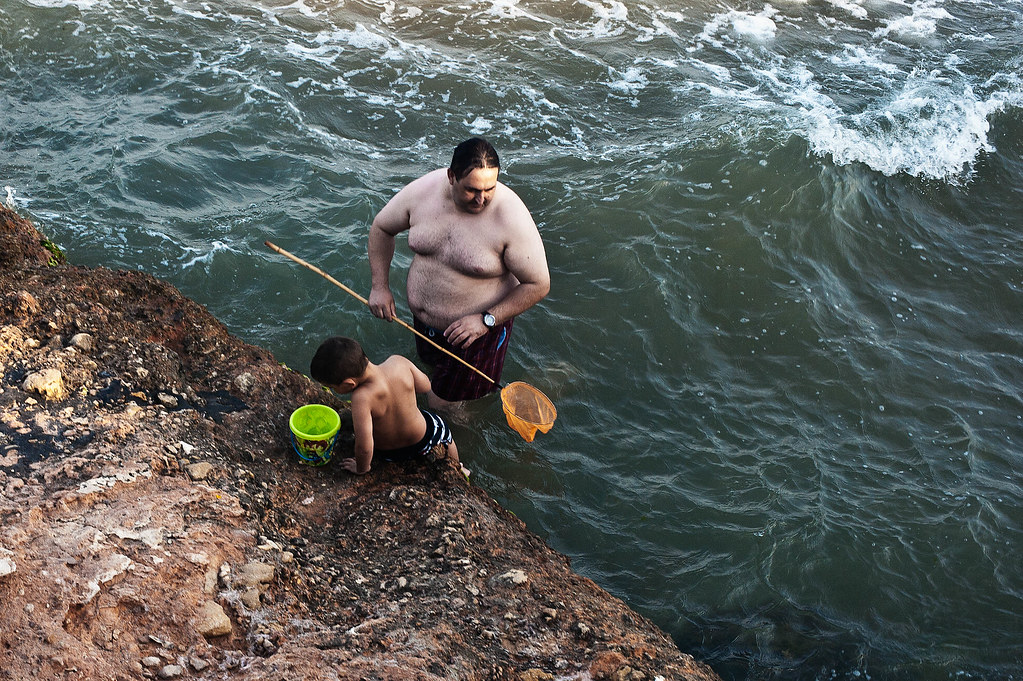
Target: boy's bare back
[[384, 410]]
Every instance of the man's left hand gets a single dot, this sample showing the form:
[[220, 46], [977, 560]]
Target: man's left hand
[[462, 332]]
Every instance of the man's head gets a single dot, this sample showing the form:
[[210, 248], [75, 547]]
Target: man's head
[[473, 153], [338, 363], [473, 174]]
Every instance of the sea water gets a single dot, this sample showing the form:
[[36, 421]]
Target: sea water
[[784, 332]]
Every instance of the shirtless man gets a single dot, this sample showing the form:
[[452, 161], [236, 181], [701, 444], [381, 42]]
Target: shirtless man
[[479, 262]]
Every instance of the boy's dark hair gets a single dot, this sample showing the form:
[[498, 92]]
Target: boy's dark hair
[[473, 153], [338, 358]]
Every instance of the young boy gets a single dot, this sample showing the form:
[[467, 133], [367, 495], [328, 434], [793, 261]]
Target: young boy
[[387, 421]]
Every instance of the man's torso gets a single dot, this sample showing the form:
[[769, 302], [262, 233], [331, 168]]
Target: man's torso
[[458, 267]]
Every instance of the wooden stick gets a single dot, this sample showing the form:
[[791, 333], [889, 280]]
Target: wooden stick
[[314, 268]]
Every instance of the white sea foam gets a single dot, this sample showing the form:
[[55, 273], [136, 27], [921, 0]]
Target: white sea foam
[[611, 18], [759, 26], [80, 4], [924, 131], [630, 82], [922, 22], [206, 255], [329, 45], [864, 58], [389, 17], [851, 6], [510, 9]]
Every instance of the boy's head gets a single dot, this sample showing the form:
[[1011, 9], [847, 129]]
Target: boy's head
[[339, 359]]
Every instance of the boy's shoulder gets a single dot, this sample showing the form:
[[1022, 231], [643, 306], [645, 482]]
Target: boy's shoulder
[[397, 362]]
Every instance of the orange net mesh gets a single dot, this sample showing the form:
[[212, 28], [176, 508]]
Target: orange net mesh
[[527, 409]]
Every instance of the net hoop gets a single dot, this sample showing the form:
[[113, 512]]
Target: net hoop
[[527, 410]]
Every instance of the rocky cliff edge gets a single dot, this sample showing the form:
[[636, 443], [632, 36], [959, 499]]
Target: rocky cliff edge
[[155, 523]]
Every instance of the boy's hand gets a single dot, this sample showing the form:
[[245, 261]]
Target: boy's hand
[[352, 467]]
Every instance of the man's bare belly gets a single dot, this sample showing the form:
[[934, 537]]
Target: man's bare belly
[[439, 295]]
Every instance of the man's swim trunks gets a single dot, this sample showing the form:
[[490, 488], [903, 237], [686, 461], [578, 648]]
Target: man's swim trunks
[[437, 433], [452, 380]]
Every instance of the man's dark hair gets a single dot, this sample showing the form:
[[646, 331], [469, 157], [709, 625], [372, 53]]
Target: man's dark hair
[[338, 358], [473, 153]]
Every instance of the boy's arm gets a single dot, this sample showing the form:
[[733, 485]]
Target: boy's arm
[[362, 424]]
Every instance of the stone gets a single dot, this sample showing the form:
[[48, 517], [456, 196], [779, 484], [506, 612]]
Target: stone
[[48, 382], [199, 471], [250, 598], [171, 671], [211, 621], [151, 661], [254, 573], [516, 577], [83, 342], [244, 382], [7, 564]]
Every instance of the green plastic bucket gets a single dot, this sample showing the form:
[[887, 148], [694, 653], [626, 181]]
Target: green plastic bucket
[[314, 430]]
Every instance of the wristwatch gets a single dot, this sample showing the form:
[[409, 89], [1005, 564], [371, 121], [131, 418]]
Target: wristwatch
[[489, 320]]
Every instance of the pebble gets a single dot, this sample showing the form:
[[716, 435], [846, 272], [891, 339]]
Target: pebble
[[212, 621], [48, 382], [151, 661], [254, 573], [83, 342], [7, 564], [199, 471], [516, 577], [171, 671], [244, 382]]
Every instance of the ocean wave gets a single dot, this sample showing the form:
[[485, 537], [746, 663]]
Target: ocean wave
[[922, 22], [935, 133]]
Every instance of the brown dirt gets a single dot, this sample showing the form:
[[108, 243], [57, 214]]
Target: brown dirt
[[117, 545]]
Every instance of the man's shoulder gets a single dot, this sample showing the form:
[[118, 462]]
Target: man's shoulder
[[427, 182], [512, 210]]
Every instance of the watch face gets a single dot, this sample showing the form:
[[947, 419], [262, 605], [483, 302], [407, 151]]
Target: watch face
[[489, 320]]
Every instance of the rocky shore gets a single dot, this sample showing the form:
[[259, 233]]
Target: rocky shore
[[155, 522]]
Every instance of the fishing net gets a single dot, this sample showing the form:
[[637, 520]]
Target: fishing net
[[527, 409]]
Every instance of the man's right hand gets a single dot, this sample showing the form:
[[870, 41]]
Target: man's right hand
[[381, 303]]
